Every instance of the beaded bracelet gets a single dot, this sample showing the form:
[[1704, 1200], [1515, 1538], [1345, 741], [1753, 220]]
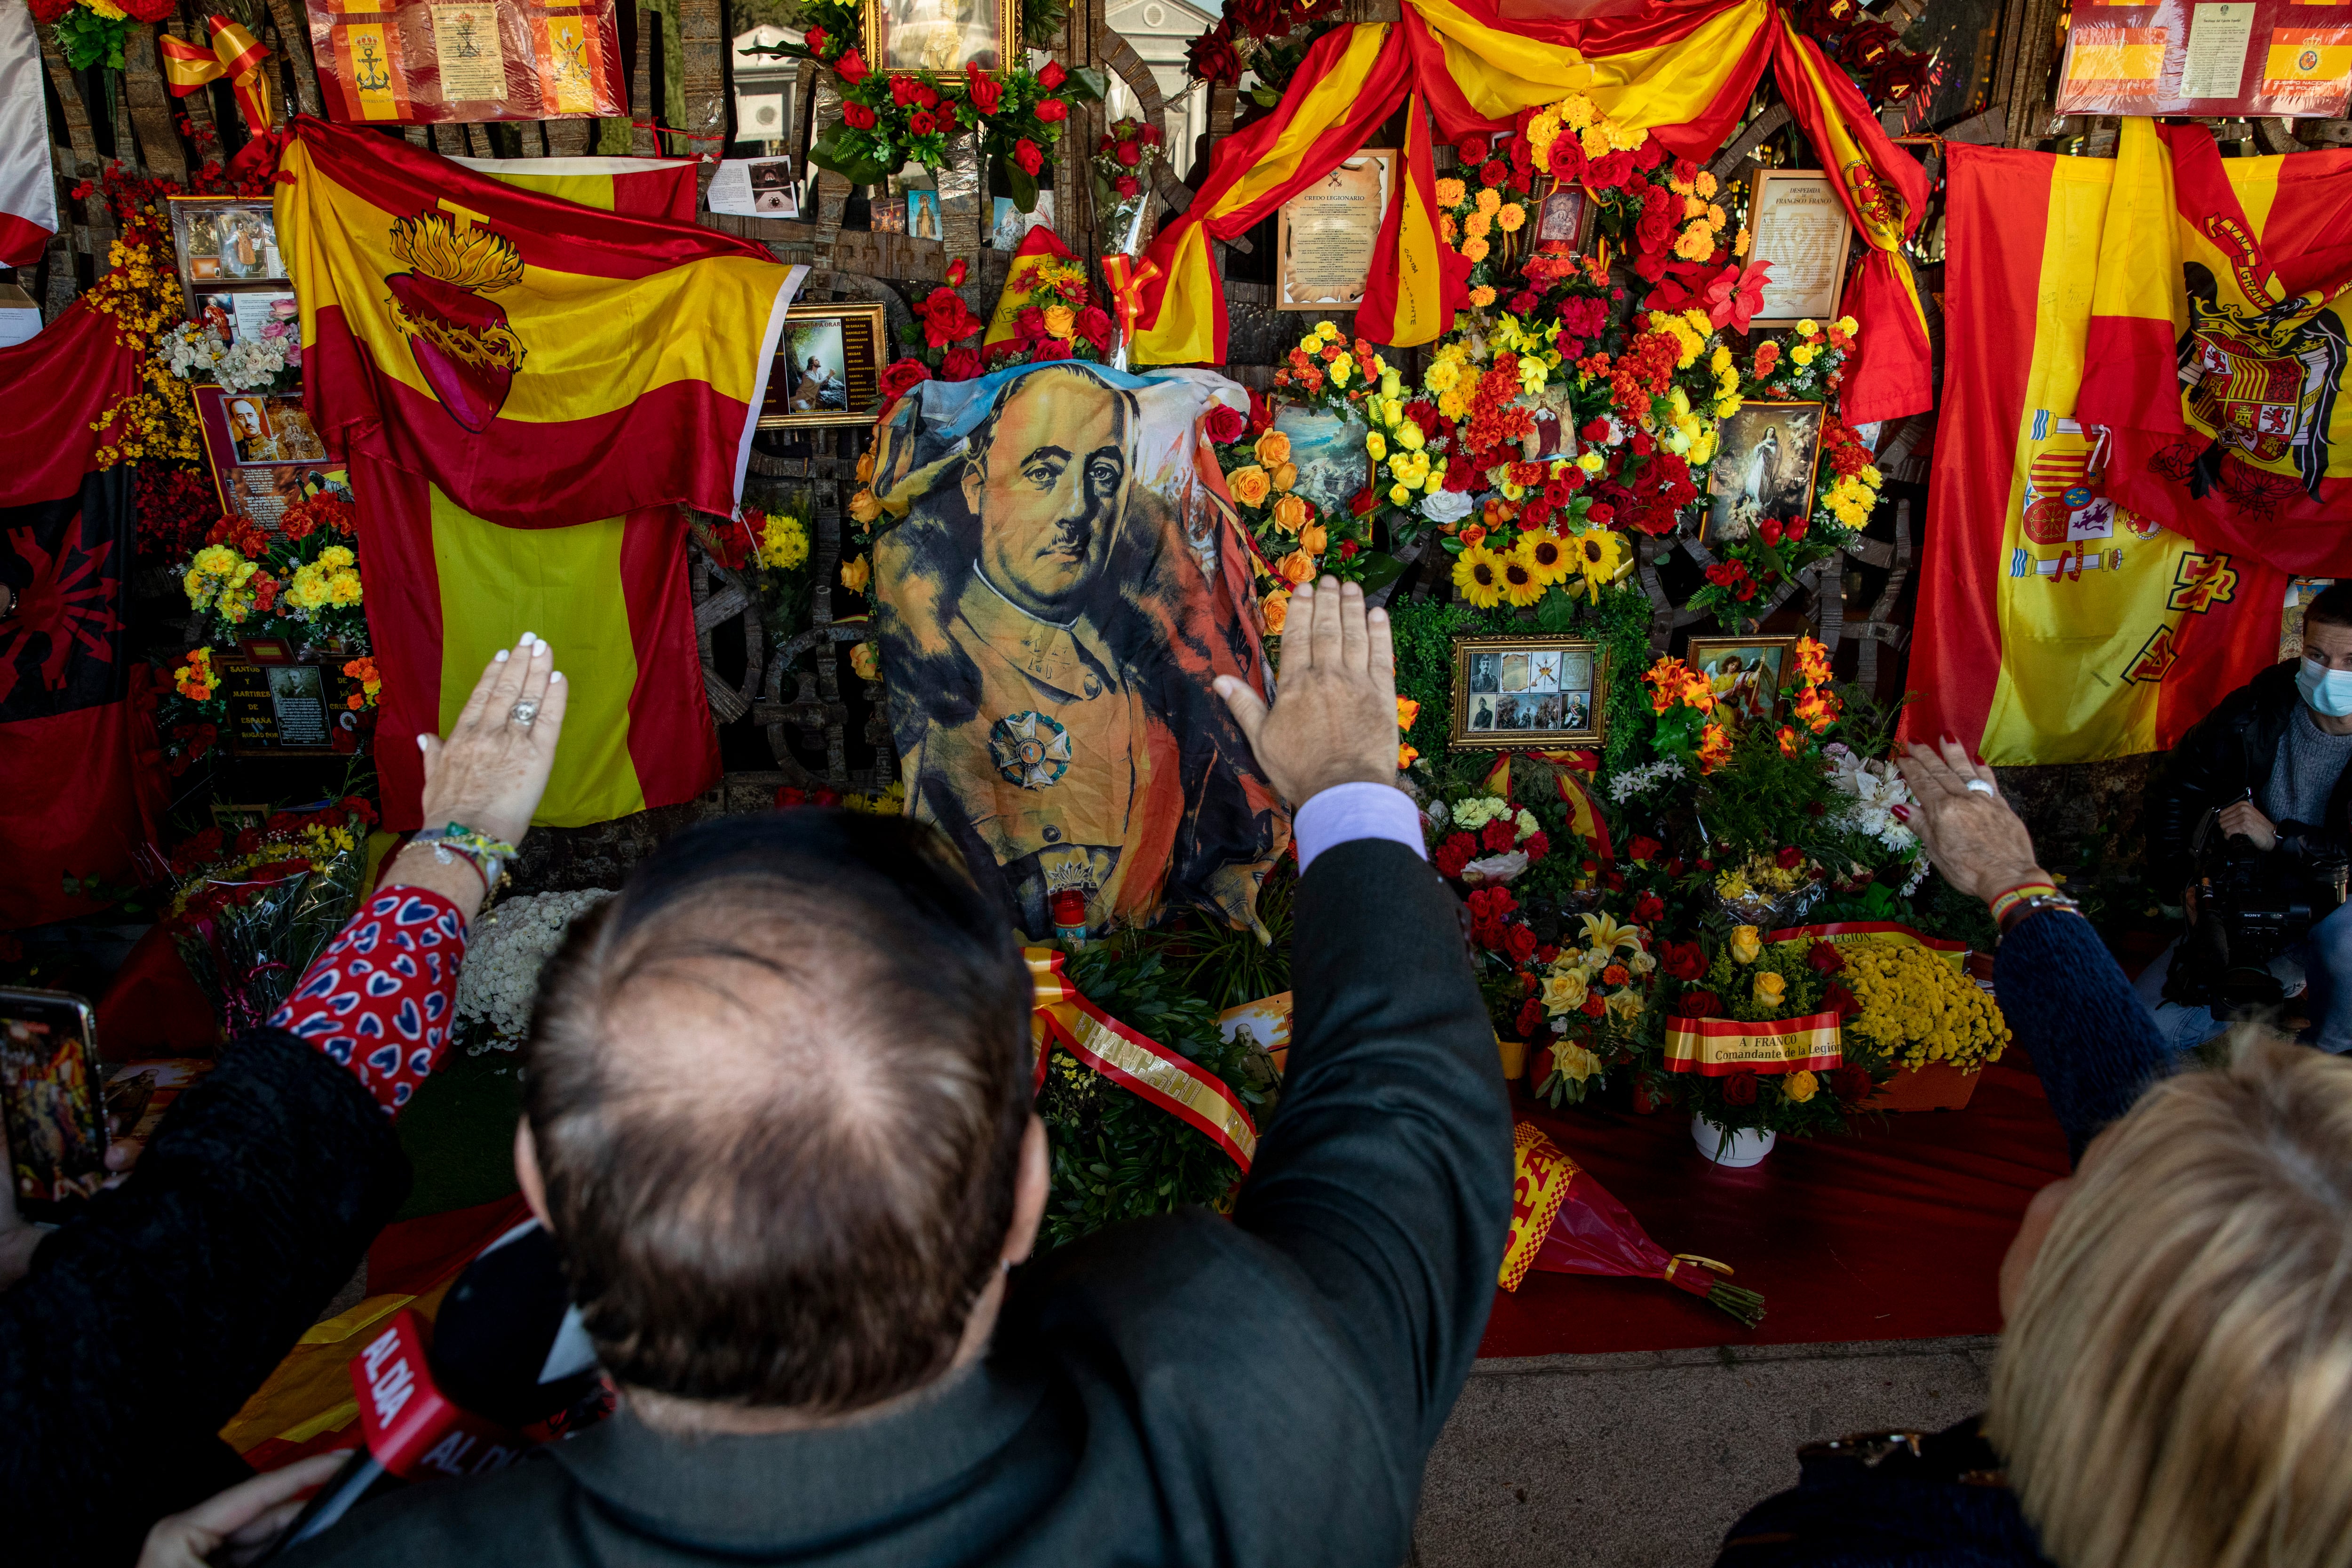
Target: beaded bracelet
[[485, 855]]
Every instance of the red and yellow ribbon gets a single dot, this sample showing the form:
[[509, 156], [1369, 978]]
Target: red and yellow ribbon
[[236, 55], [1127, 279], [1718, 1048], [1063, 1017]]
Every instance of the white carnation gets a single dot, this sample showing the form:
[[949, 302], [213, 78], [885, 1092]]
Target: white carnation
[[498, 985]]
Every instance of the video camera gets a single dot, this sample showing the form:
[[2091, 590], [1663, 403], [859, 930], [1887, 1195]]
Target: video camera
[[2251, 906]]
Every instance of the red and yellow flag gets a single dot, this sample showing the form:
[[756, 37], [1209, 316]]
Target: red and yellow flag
[[2218, 352], [525, 391], [635, 187], [2056, 624], [1039, 247]]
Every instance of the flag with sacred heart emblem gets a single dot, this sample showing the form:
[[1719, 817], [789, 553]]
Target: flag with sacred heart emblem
[[526, 391], [2057, 623]]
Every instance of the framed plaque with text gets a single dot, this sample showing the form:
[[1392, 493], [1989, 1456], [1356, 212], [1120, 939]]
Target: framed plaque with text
[[295, 708], [1324, 237], [1799, 225]]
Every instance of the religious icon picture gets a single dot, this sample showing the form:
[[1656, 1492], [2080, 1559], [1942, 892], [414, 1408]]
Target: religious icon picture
[[1763, 468], [828, 368], [923, 214], [1747, 675], [1562, 222], [225, 243], [49, 1098], [1513, 692], [940, 36], [1327, 448]]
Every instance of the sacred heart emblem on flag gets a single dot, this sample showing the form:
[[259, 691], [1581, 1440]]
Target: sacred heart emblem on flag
[[461, 341]]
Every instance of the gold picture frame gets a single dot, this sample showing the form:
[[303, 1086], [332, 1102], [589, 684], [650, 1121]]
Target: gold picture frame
[[225, 245], [848, 346], [935, 39], [1557, 688], [1767, 465], [1797, 221], [1755, 687]]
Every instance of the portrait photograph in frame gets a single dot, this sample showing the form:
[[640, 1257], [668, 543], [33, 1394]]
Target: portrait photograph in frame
[[903, 37], [1563, 220], [1324, 236], [1748, 676], [227, 243], [1512, 693], [265, 455], [1766, 455], [1797, 222], [828, 368]]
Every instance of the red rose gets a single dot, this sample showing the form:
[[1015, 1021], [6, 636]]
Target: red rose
[[958, 270], [1150, 134], [1823, 958], [1348, 549], [1052, 348], [1599, 514], [1053, 75], [852, 67], [986, 92], [1648, 910], [903, 89], [1612, 170], [1493, 171], [1499, 836], [149, 10], [1459, 850], [1053, 109], [1643, 848], [1849, 1084], [1686, 172], [901, 376], [1836, 998], [816, 38], [857, 117], [1521, 942], [961, 364], [1211, 57], [1222, 424], [1094, 325], [1026, 154], [1649, 154], [1128, 186], [923, 124], [1682, 960], [1568, 163], [1789, 857], [946, 318], [1744, 591], [1128, 154], [1531, 1018], [1793, 531], [1739, 1089], [1768, 530]]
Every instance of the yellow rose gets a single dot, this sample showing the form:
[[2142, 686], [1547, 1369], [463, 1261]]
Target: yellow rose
[[1573, 1062], [1273, 448], [1341, 369], [866, 660], [1310, 345], [1249, 485], [1564, 991], [1326, 330], [1276, 608], [1803, 354], [865, 506], [1061, 321], [1399, 495], [1297, 567], [1848, 325], [1313, 538], [1286, 478], [1747, 947], [1409, 437], [1770, 989], [856, 572], [1377, 444], [1290, 513], [1801, 1087], [865, 467]]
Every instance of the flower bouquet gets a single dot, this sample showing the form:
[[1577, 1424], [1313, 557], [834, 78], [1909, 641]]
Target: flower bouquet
[[251, 912], [1592, 996], [303, 586], [1485, 840], [1936, 1025], [498, 985], [1767, 890], [270, 361]]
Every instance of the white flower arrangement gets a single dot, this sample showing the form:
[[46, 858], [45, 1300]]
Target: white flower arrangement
[[1641, 781], [499, 982], [249, 364], [1876, 789]]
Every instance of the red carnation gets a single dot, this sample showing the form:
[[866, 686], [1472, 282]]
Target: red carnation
[[1739, 1089], [1222, 424], [1053, 109], [1648, 910], [901, 376], [1682, 960], [1053, 75], [1531, 1018], [985, 91], [1536, 844], [1519, 941], [1459, 850], [1471, 148], [852, 67], [1026, 154], [1493, 171], [1499, 836], [857, 117], [961, 364]]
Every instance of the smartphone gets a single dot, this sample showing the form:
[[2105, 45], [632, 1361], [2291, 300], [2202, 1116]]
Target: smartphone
[[51, 1100]]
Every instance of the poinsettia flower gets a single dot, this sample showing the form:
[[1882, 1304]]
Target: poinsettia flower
[[1737, 294]]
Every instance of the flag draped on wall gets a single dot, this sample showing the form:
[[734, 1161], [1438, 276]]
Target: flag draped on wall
[[636, 187], [2056, 626], [525, 391], [1684, 73], [81, 788], [29, 189], [2218, 346]]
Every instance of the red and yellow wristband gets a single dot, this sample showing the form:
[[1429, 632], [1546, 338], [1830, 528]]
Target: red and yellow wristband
[[2004, 901]]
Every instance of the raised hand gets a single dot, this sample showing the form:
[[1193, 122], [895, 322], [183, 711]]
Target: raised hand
[[1974, 839], [1334, 717], [492, 767]]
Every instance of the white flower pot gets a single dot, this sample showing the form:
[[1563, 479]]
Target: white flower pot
[[1731, 1149]]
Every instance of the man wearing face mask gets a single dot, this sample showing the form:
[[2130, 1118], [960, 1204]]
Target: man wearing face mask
[[2271, 762]]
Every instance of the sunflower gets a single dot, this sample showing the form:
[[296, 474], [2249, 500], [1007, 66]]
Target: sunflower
[[1547, 556], [1521, 586], [1478, 576], [1599, 556]]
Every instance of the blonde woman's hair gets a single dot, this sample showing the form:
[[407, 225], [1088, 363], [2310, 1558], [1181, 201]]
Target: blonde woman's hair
[[2176, 1388]]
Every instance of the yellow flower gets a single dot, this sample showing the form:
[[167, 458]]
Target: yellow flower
[[1624, 1006], [1476, 225], [1061, 321], [866, 660], [1598, 556], [1770, 989], [1450, 192], [1273, 448], [1545, 555], [1577, 110], [1286, 478], [865, 506], [1341, 369], [1603, 935], [1377, 444], [1326, 330], [1291, 513], [1509, 217], [1521, 586], [856, 572], [1297, 567], [1478, 576], [865, 467], [1276, 608], [1310, 345], [1474, 249], [1714, 748], [1807, 328], [1409, 437], [1442, 375], [1564, 991], [1249, 485], [1482, 296], [1312, 538], [784, 544], [1848, 325], [336, 556], [1803, 354], [1399, 495], [1746, 944], [1695, 243], [1704, 183], [1799, 1086], [1490, 201], [1408, 712]]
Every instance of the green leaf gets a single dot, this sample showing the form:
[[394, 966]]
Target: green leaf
[[1088, 82], [1556, 612], [1264, 96], [838, 150], [1377, 569], [1025, 186]]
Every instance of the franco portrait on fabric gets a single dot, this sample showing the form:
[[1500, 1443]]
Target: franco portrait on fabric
[[1063, 586]]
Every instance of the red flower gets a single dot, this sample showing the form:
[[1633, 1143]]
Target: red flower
[[1150, 134], [923, 122], [1127, 185], [1536, 844], [958, 270], [1493, 171], [1836, 998], [1611, 170], [1094, 325], [1849, 1084], [1222, 424], [1739, 1089], [1053, 75], [902, 376], [1823, 958], [1521, 942], [1682, 960], [903, 90], [1768, 530], [853, 69], [1026, 154], [1471, 148], [985, 91], [1643, 848], [1052, 348], [947, 319], [1568, 164], [1128, 154], [1053, 109], [1459, 850], [1348, 549], [149, 10], [1793, 531], [1593, 1006], [1648, 910], [961, 364], [1599, 514], [1212, 58], [1789, 857], [856, 116], [817, 37], [1499, 836], [1531, 1018]]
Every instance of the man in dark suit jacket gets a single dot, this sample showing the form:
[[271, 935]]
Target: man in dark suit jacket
[[779, 1122]]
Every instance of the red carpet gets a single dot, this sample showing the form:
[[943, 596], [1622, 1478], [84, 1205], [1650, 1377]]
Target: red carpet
[[1895, 1233]]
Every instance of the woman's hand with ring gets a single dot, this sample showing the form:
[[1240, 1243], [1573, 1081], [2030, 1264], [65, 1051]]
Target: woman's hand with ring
[[1974, 839], [490, 771]]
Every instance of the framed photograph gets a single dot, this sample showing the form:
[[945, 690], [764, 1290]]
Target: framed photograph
[[1563, 220], [1009, 225], [225, 243], [1799, 225], [923, 214], [263, 453], [1512, 693], [283, 709], [1764, 462], [1746, 675], [828, 368], [241, 314], [1324, 236], [942, 36], [1328, 450]]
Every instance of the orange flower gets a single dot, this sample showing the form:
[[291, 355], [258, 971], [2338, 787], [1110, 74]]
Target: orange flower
[[1297, 567], [1714, 748], [1249, 485], [1789, 744], [1291, 513], [1812, 661], [1405, 754], [1286, 478], [1273, 448], [1472, 535], [1275, 609], [1408, 712], [856, 573], [1615, 974], [1313, 537]]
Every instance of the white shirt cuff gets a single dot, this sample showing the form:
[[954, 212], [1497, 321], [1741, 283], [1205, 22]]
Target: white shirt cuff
[[1352, 811]]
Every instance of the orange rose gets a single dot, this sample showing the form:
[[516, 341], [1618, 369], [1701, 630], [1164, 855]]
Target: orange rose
[[1297, 567], [1312, 538], [1286, 478], [1276, 608], [1291, 513], [1249, 485], [1273, 448], [1471, 535]]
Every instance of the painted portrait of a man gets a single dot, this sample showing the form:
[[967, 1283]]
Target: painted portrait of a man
[[1054, 606]]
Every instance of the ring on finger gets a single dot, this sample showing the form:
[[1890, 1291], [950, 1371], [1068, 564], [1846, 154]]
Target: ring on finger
[[523, 712], [1978, 786]]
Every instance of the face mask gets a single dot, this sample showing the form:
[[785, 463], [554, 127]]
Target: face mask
[[2328, 691]]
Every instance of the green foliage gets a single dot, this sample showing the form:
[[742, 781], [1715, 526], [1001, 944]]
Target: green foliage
[[1761, 799], [1116, 1156], [87, 39], [1227, 966]]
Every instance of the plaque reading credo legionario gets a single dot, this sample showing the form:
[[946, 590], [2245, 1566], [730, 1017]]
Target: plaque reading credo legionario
[[1325, 234]]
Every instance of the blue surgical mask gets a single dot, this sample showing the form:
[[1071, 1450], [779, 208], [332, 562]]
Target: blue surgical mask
[[2328, 691]]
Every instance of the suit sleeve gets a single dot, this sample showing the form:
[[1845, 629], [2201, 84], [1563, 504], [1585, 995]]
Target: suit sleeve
[[1386, 1171]]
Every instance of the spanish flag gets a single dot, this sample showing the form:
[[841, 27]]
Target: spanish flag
[[525, 391], [2056, 625], [634, 188], [2219, 346]]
